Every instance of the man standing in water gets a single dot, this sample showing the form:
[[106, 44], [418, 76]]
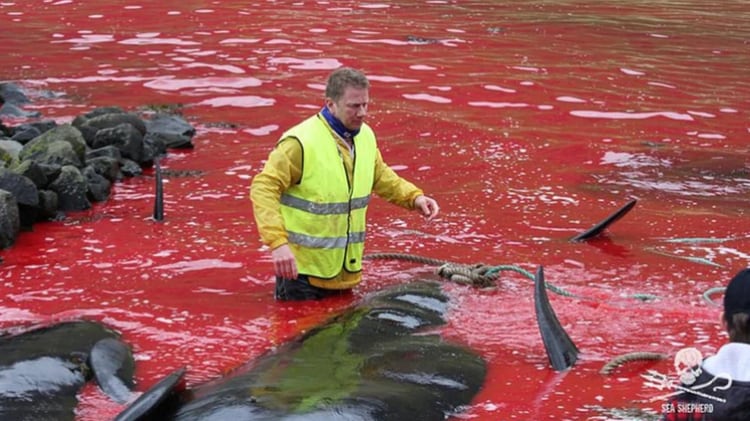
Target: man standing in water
[[310, 200]]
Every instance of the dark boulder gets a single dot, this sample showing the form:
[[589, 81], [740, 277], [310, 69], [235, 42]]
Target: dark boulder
[[108, 151], [34, 172], [47, 209], [71, 165], [16, 111], [172, 130], [22, 188], [13, 94], [96, 112], [130, 168], [107, 167], [24, 182], [51, 171], [62, 145], [98, 186], [26, 132], [10, 222], [71, 189], [90, 127], [124, 137]]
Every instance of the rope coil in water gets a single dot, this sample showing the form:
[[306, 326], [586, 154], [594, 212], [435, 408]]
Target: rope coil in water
[[477, 275]]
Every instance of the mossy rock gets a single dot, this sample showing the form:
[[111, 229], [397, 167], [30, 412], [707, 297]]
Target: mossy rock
[[48, 147]]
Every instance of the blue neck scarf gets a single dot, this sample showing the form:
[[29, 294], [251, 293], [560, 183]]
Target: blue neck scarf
[[338, 126]]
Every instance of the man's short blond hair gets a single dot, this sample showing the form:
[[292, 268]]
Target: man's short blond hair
[[343, 78]]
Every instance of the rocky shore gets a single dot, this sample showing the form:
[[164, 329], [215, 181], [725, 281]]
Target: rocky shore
[[48, 169]]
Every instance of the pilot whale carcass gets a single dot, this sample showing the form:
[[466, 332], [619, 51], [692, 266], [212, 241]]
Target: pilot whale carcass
[[380, 360], [42, 369]]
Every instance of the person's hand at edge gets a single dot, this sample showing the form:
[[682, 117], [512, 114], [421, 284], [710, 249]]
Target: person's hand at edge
[[427, 206], [284, 263]]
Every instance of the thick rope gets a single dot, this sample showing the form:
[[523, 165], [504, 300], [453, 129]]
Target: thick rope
[[408, 257], [478, 275], [620, 360]]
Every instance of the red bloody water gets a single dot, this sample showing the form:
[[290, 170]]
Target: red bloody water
[[529, 121]]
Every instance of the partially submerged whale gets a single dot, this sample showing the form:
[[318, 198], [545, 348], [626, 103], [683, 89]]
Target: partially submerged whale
[[43, 369], [378, 361], [381, 360]]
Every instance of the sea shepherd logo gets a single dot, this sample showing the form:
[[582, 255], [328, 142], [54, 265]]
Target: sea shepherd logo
[[687, 367]]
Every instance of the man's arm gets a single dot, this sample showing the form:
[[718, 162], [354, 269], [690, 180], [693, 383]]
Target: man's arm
[[283, 168]]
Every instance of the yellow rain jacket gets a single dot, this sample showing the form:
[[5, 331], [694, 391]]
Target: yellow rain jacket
[[299, 170]]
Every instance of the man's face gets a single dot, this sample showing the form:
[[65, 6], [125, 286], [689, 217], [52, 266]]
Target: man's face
[[351, 108]]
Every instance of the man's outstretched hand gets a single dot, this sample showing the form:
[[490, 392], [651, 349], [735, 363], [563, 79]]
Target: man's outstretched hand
[[427, 206]]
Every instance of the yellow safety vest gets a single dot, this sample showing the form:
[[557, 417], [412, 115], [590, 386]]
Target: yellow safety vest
[[324, 214]]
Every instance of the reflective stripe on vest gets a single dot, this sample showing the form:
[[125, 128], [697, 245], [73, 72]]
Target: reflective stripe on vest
[[324, 214], [324, 208]]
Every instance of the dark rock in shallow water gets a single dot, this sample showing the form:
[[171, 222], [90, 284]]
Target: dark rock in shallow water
[[15, 111], [11, 100], [98, 186], [107, 167], [171, 130], [153, 147], [22, 183], [26, 132], [52, 171], [90, 127], [47, 205], [126, 138], [170, 123], [62, 145], [116, 142], [96, 112], [13, 94], [130, 168], [71, 189], [10, 221], [23, 189], [33, 172], [24, 135], [108, 151]]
